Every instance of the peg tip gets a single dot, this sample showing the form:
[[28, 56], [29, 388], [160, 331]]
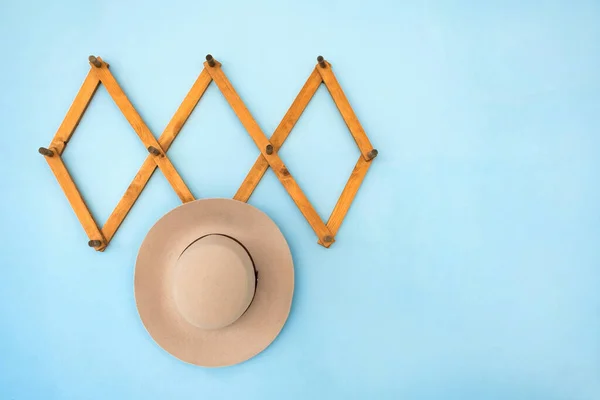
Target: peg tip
[[372, 154], [94, 61], [153, 150], [210, 60], [321, 61], [46, 152]]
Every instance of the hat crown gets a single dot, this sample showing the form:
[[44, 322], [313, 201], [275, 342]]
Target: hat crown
[[214, 282]]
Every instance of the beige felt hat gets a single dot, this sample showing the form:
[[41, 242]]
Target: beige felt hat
[[214, 281]]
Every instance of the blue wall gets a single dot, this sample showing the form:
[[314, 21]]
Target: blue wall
[[467, 268]]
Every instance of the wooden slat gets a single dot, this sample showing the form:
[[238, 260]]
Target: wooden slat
[[185, 110], [75, 112], [263, 162], [147, 169], [340, 100], [261, 141], [143, 132], [347, 197], [280, 135], [75, 199]]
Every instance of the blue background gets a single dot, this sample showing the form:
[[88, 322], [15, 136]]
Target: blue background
[[467, 268]]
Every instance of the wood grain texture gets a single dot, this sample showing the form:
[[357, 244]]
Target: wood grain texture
[[138, 125], [342, 104], [261, 141], [149, 166], [279, 136], [75, 112], [75, 199], [348, 194]]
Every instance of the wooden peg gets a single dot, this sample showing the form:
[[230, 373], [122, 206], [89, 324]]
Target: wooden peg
[[94, 61], [210, 60], [46, 152], [321, 62], [153, 150], [95, 243], [372, 154], [269, 149]]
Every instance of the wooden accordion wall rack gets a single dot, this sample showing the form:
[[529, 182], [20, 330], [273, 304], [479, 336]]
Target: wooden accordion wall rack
[[157, 148]]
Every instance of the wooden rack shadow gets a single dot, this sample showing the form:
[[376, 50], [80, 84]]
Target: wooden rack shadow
[[99, 238]]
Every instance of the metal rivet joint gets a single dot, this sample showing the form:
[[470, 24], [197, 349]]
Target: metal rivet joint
[[95, 243], [269, 149], [328, 239]]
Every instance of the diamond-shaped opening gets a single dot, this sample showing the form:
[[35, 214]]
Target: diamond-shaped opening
[[213, 152], [321, 153], [103, 155]]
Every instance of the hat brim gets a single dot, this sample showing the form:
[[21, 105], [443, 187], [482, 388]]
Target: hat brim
[[256, 329]]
